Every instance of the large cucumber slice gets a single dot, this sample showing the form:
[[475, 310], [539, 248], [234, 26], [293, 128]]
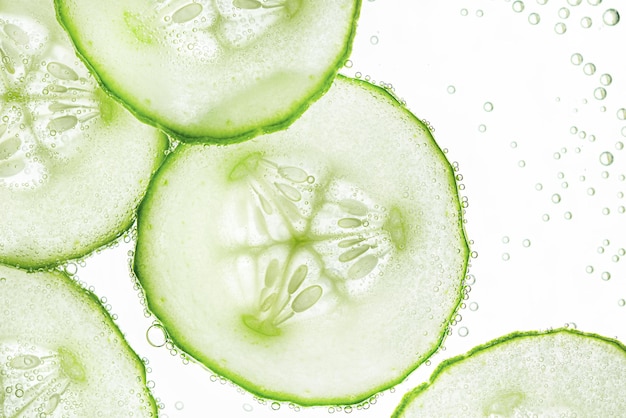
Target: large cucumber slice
[[562, 373], [220, 70], [319, 264], [61, 355], [73, 163]]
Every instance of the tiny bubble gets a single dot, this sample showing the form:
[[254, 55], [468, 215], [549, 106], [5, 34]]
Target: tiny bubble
[[479, 13], [538, 187], [542, 2], [589, 269], [560, 28], [521, 163], [606, 79], [567, 215], [606, 276], [473, 306], [374, 40], [451, 89], [506, 256], [545, 217], [514, 144], [599, 93], [488, 106], [534, 19], [179, 405], [573, 130], [505, 239], [591, 191], [463, 12], [463, 331], [574, 2], [619, 145], [586, 22], [606, 158], [556, 198], [589, 68], [621, 114], [482, 128], [518, 6], [564, 13], [610, 17], [621, 302], [348, 64], [247, 407], [526, 243]]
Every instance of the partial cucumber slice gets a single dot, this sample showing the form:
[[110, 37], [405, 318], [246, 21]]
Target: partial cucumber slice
[[219, 71], [61, 355], [562, 373], [73, 163], [320, 264]]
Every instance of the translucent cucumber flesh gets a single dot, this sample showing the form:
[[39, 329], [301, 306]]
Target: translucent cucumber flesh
[[319, 264], [73, 163], [563, 373], [217, 71], [62, 355]]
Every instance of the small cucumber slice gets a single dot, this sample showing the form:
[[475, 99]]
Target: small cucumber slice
[[319, 264], [561, 373], [213, 71], [61, 355], [73, 163]]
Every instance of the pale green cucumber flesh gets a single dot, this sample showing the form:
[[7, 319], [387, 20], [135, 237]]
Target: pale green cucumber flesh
[[320, 264], [562, 374], [74, 164], [213, 71], [62, 355]]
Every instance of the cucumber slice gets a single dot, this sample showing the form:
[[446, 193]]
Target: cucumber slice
[[319, 264], [218, 71], [61, 355], [73, 163], [561, 373]]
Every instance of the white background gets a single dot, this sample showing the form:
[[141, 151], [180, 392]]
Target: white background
[[489, 53]]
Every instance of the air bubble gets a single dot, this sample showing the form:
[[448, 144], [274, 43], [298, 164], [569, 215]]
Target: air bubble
[[542, 2], [451, 89], [560, 28], [156, 335], [480, 13], [534, 19], [610, 17], [589, 269], [621, 302], [521, 163], [619, 145], [591, 191], [463, 331], [179, 405], [275, 406], [589, 68], [556, 198], [374, 40], [526, 243], [505, 239], [482, 128], [473, 306], [514, 144], [567, 215], [586, 22], [488, 106], [563, 12], [545, 217], [464, 12], [599, 93], [606, 79], [606, 158], [539, 187], [606, 276], [247, 407], [518, 6], [506, 256], [594, 2], [621, 115], [573, 130], [574, 2]]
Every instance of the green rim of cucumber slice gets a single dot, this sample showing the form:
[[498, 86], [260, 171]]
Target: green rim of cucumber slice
[[558, 373], [317, 265], [219, 72]]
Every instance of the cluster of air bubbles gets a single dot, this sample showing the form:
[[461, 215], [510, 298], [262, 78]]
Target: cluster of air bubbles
[[479, 12]]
